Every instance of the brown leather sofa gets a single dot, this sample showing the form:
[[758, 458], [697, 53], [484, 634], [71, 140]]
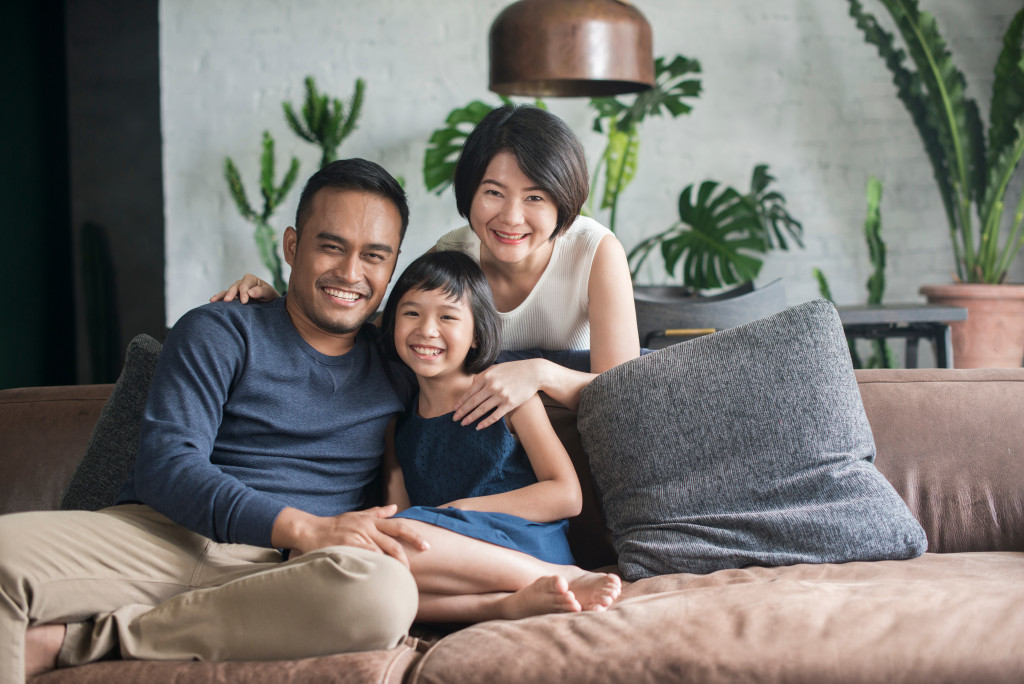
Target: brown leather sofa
[[951, 442]]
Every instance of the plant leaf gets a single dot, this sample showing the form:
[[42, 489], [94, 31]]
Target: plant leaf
[[712, 238], [1007, 91], [620, 164], [446, 144], [910, 91]]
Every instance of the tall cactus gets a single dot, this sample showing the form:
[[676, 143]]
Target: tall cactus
[[324, 121], [272, 194], [881, 356]]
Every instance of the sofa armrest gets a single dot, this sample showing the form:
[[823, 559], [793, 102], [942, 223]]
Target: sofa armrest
[[952, 443], [43, 434]]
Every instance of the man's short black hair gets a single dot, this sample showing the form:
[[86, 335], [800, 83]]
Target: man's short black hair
[[353, 174], [458, 277], [546, 149]]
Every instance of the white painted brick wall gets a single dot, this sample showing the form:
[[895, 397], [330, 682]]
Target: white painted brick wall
[[786, 82]]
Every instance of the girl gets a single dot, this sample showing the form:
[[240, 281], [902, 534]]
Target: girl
[[560, 280], [492, 507]]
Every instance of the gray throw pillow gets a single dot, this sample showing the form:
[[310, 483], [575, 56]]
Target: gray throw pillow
[[115, 438], [746, 447]]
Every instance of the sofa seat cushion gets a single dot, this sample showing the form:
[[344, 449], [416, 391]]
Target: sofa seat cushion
[[937, 618], [746, 447]]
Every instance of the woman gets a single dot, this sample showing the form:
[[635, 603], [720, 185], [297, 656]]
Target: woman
[[560, 280]]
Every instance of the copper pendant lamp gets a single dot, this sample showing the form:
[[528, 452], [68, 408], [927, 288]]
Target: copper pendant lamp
[[570, 48]]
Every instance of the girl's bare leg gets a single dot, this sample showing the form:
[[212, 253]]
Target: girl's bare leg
[[456, 565]]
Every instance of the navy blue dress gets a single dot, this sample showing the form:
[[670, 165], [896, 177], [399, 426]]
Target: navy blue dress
[[443, 461]]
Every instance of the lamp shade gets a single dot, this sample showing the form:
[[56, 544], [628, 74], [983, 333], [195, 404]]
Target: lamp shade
[[570, 48]]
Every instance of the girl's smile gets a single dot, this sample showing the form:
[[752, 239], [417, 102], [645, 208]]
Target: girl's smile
[[433, 332]]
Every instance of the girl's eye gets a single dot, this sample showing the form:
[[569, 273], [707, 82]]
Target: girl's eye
[[492, 192], [535, 198]]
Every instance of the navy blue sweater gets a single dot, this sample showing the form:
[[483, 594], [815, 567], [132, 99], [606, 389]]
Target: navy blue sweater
[[245, 418]]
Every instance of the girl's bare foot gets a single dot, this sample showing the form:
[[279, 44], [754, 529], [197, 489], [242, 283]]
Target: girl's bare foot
[[596, 590], [42, 645], [546, 595]]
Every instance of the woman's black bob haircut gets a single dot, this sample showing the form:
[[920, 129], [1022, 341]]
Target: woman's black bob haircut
[[458, 277], [546, 149]]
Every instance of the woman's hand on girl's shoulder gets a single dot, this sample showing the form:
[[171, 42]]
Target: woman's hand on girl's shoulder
[[498, 390], [249, 287]]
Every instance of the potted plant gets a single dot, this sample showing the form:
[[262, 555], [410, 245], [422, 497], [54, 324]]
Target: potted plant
[[975, 176]]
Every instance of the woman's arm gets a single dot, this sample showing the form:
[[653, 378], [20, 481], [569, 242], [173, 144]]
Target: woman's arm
[[249, 287], [557, 493], [394, 482], [613, 335]]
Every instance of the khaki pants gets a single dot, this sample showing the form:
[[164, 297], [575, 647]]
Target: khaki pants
[[128, 578]]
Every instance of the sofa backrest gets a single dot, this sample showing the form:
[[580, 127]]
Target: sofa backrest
[[950, 441], [952, 444]]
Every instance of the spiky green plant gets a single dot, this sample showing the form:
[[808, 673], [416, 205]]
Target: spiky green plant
[[720, 235], [266, 239], [881, 356], [324, 120], [973, 177], [673, 82]]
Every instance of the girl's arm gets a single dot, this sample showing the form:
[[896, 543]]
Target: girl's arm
[[394, 483], [249, 287], [613, 334], [557, 493]]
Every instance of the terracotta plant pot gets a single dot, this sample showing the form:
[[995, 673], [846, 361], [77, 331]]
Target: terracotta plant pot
[[993, 334]]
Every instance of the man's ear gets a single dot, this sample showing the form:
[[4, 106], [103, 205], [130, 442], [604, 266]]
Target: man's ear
[[289, 244]]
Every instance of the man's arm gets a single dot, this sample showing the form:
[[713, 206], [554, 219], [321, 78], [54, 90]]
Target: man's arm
[[201, 358]]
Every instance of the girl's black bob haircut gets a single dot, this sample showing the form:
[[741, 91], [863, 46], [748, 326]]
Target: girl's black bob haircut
[[458, 277], [546, 149]]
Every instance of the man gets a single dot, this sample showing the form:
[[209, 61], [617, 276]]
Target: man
[[264, 426]]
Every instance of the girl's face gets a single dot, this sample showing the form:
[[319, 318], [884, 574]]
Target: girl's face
[[433, 333], [513, 218]]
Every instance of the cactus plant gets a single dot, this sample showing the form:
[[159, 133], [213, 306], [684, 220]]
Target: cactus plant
[[324, 120], [882, 356], [272, 194]]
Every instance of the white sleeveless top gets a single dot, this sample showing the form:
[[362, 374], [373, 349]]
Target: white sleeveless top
[[555, 315]]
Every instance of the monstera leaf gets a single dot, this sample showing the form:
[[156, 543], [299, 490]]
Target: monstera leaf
[[721, 233], [446, 144]]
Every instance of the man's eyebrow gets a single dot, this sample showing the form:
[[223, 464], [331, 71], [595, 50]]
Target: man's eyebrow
[[373, 246]]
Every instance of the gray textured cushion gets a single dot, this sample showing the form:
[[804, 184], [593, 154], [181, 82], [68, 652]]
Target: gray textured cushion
[[115, 438], [746, 447]]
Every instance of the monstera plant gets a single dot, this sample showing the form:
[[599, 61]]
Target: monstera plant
[[722, 233]]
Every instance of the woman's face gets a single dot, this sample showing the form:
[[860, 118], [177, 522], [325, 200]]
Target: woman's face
[[513, 218]]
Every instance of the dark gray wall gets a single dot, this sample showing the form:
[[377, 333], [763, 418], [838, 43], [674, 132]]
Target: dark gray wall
[[37, 344], [113, 94]]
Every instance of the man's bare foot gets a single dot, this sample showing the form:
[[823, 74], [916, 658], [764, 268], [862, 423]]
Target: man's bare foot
[[42, 645], [546, 595], [596, 590]]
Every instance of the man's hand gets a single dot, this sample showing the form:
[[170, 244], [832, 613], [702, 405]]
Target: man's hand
[[372, 529]]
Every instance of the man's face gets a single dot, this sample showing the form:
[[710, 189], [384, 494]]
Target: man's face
[[342, 263]]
